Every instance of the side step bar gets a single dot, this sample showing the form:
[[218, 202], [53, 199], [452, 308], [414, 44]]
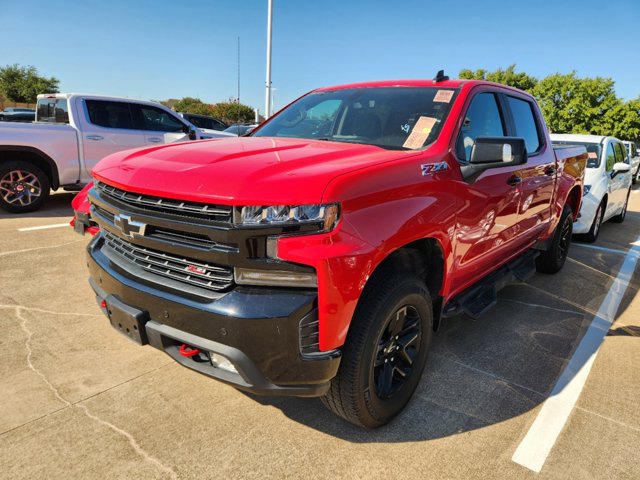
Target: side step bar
[[479, 298]]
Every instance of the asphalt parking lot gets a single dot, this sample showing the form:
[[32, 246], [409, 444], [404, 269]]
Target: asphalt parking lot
[[81, 401]]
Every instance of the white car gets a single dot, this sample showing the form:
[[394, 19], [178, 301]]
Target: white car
[[607, 182], [72, 133], [634, 158]]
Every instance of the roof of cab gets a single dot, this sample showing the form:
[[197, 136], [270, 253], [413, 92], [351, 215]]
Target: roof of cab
[[400, 83]]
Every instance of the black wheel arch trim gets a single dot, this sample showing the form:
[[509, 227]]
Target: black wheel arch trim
[[53, 167]]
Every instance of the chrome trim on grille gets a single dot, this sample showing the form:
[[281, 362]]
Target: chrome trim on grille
[[218, 213]]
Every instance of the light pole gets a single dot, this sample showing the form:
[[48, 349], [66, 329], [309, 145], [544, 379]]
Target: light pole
[[267, 97]]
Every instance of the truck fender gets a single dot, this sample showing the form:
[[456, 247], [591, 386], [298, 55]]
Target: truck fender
[[34, 156]]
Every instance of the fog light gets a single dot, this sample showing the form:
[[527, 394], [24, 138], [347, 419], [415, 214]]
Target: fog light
[[275, 278], [221, 362]]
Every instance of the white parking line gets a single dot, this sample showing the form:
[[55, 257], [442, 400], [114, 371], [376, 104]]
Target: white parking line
[[604, 249], [541, 437], [43, 227]]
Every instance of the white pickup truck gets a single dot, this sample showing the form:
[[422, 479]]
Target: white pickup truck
[[71, 134]]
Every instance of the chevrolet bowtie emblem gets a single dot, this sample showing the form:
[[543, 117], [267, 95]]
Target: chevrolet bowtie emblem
[[129, 227]]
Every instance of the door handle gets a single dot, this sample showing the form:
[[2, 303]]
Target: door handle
[[514, 180], [155, 140], [550, 171], [95, 137]]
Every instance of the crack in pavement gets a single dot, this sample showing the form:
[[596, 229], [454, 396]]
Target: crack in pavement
[[484, 372], [604, 417], [589, 267], [561, 299], [536, 305], [132, 441]]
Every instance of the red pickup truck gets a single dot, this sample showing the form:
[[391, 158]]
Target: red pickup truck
[[317, 256]]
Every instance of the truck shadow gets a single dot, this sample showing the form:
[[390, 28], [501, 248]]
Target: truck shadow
[[57, 205]]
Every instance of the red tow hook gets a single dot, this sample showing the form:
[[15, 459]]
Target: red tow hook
[[187, 351]]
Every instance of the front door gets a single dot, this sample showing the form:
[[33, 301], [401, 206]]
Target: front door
[[487, 222]]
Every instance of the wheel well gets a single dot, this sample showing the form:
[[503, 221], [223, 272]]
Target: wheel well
[[423, 258], [35, 157]]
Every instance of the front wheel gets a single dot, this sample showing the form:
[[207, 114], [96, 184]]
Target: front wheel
[[385, 352], [552, 260], [23, 187]]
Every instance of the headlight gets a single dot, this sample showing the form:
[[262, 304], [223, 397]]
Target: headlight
[[326, 215], [587, 189]]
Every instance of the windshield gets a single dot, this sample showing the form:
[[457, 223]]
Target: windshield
[[387, 117], [593, 150]]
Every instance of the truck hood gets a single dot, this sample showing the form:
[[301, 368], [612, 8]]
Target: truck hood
[[239, 171]]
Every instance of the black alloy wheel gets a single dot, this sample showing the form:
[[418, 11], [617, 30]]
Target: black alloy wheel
[[385, 352], [397, 350], [552, 260]]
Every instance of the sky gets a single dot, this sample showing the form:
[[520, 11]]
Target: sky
[[155, 50]]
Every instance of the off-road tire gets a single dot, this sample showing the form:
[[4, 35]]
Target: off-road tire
[[552, 260], [354, 394], [23, 187]]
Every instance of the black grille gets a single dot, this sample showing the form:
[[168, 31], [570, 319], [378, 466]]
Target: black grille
[[217, 213], [186, 271]]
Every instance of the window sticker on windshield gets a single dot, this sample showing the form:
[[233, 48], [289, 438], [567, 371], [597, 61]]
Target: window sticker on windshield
[[443, 96], [420, 132], [593, 155]]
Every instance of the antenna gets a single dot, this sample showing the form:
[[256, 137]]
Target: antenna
[[440, 77]]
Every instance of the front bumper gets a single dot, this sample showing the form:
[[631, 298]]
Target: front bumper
[[258, 329]]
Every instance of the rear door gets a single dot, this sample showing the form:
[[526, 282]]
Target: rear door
[[108, 127], [538, 174], [161, 126], [486, 225]]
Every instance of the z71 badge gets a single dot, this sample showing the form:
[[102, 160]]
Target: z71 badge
[[429, 168]]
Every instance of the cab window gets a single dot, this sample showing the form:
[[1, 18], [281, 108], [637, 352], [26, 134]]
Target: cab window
[[525, 123], [483, 119]]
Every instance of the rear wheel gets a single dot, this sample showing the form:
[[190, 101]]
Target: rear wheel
[[23, 187], [620, 217], [552, 260], [385, 352]]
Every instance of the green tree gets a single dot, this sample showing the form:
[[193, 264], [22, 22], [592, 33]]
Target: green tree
[[579, 105], [509, 77], [192, 105], [233, 112], [23, 84]]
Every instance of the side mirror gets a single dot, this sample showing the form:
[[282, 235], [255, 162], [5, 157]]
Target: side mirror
[[620, 167], [494, 152], [193, 135], [502, 151]]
